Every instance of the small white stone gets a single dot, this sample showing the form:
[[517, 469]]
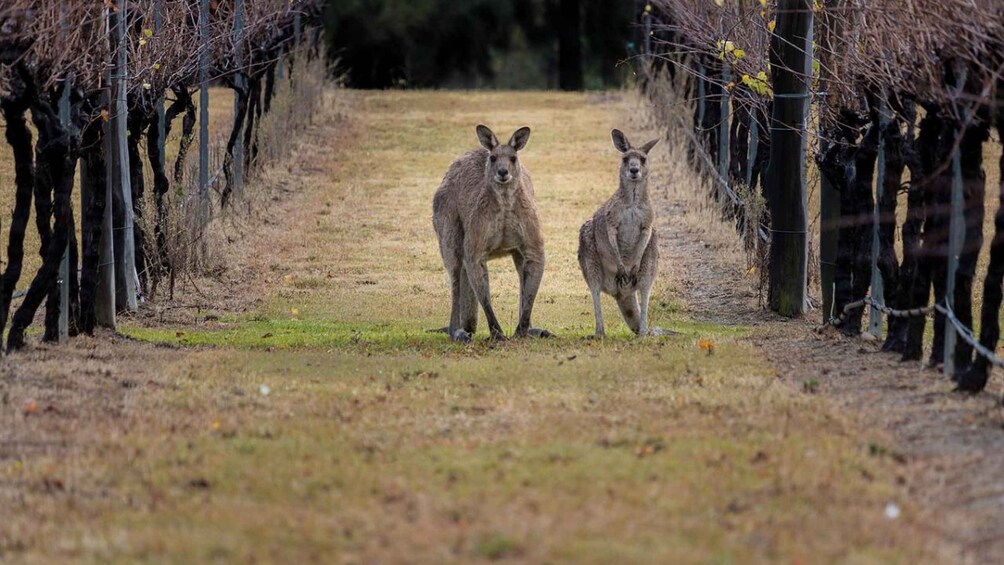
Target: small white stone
[[264, 390], [891, 511]]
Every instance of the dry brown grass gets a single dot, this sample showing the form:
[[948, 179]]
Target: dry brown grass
[[377, 441]]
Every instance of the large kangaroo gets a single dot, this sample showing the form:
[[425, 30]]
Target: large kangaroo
[[485, 209], [618, 251]]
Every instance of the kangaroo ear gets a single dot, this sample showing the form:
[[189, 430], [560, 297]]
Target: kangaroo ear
[[620, 141], [519, 139], [487, 138], [648, 146]]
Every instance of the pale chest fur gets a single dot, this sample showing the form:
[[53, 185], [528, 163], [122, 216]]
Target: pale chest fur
[[632, 221], [506, 230]]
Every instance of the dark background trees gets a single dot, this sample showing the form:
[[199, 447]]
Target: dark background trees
[[506, 44]]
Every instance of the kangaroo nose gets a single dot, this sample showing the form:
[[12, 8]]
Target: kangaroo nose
[[634, 170], [503, 173]]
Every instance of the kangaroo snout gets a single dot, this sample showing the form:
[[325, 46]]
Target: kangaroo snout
[[502, 175]]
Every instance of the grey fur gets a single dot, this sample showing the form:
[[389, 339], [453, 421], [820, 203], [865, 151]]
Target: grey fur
[[618, 247], [485, 209]]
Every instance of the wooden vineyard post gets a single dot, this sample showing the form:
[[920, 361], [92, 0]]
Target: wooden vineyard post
[[790, 56], [877, 285]]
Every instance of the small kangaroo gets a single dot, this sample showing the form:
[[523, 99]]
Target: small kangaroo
[[618, 250], [485, 209]]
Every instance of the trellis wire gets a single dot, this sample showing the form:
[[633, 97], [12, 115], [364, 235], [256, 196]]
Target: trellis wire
[[698, 150], [967, 335]]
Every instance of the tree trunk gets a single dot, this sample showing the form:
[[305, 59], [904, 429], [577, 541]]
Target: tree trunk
[[58, 156], [935, 189], [570, 45], [789, 56], [848, 166], [888, 263], [185, 103], [235, 134], [137, 124], [19, 139], [974, 186], [975, 379], [253, 123], [93, 192]]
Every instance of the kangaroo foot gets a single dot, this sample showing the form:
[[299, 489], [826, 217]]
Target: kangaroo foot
[[461, 336], [596, 337], [531, 332], [660, 331]]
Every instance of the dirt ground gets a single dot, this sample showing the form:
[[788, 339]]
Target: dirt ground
[[290, 405], [950, 446]]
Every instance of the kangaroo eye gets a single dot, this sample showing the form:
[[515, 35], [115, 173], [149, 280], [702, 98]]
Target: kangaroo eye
[[626, 160], [493, 158], [642, 160], [512, 159]]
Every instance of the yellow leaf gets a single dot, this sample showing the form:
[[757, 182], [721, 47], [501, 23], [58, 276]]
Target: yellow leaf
[[771, 25], [706, 345]]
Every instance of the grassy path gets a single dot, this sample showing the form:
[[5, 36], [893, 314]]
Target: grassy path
[[328, 425]]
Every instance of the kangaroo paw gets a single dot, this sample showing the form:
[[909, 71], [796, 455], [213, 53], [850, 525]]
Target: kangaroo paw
[[660, 331], [538, 332]]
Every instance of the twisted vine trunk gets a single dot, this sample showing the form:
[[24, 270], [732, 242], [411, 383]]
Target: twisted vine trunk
[[57, 153], [976, 377], [935, 189], [161, 184], [849, 165], [974, 185], [19, 138], [138, 118], [185, 104], [240, 117], [903, 150], [253, 122], [93, 202]]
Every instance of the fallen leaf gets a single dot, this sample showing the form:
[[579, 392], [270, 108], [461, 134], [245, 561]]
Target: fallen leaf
[[29, 408], [706, 345]]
